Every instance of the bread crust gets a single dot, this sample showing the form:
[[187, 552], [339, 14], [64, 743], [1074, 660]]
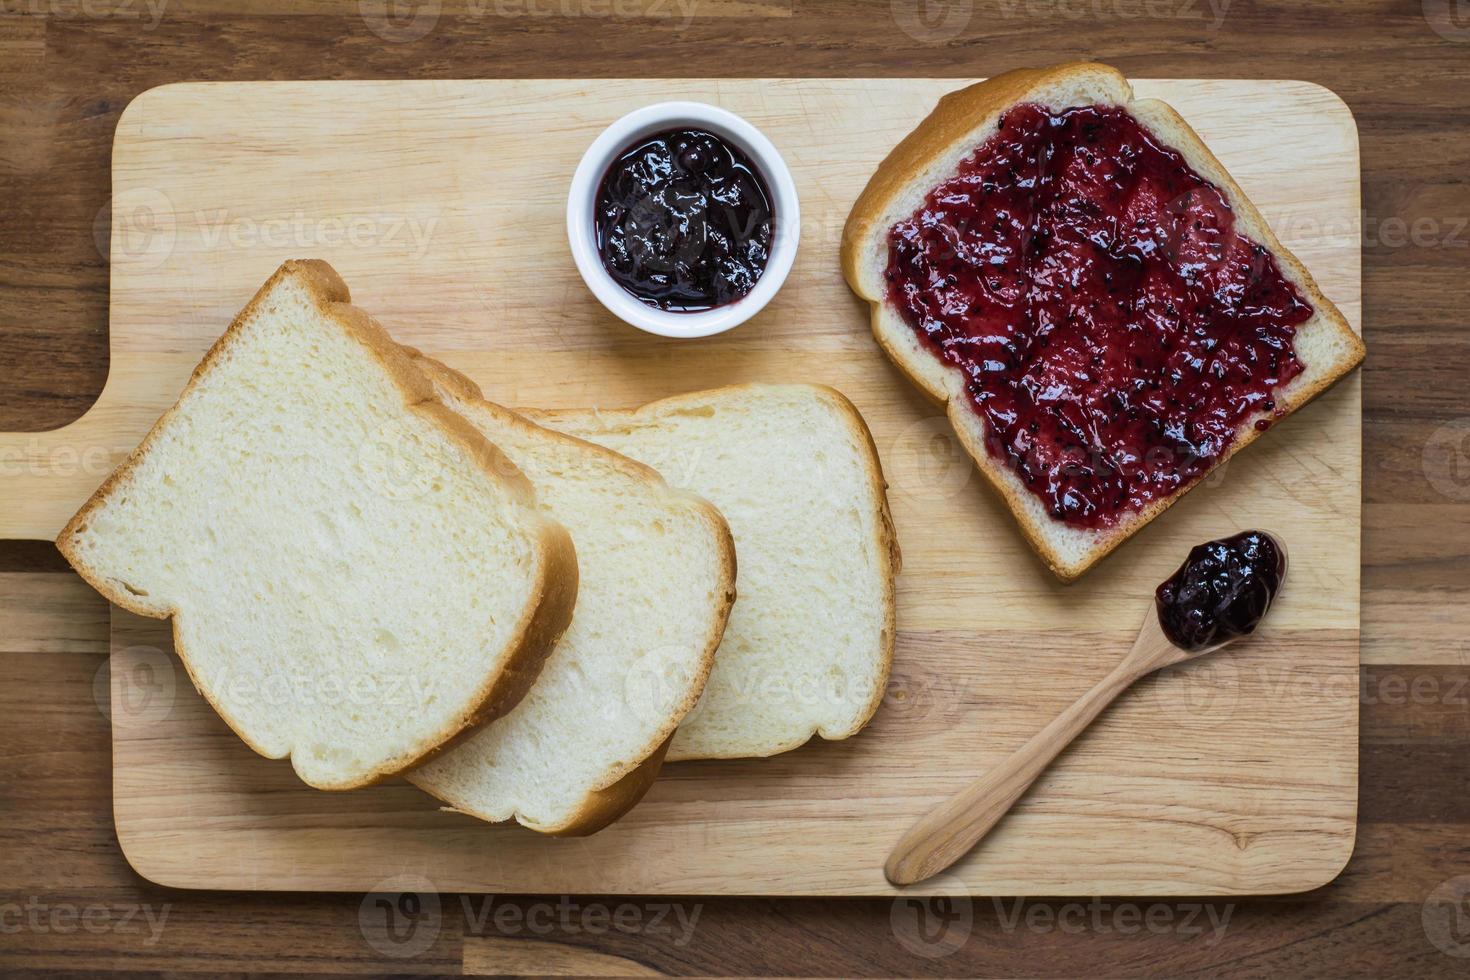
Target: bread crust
[[624, 784], [886, 542], [605, 805], [555, 589], [955, 121]]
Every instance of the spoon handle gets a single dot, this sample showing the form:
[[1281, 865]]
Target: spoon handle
[[946, 833]]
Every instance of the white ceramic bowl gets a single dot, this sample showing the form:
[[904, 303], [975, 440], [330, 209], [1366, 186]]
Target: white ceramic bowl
[[582, 203]]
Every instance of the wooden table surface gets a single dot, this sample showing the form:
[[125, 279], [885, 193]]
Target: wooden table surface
[[70, 903]]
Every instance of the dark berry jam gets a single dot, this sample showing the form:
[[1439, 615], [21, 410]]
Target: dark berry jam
[[684, 221], [1114, 329], [1222, 590]]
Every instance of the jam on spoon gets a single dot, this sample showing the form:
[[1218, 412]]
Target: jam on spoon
[[1220, 593], [1222, 590], [684, 221]]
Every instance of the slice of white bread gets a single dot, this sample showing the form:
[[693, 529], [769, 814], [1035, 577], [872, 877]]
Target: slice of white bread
[[962, 122], [793, 469], [657, 583], [355, 574]]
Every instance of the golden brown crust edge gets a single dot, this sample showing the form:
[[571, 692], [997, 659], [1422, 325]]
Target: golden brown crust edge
[[606, 805], [953, 119], [626, 784], [555, 590], [1204, 161], [886, 543]]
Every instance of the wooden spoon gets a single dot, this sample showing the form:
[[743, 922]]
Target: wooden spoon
[[946, 833]]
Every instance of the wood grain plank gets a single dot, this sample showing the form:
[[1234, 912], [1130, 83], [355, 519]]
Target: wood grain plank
[[1219, 818], [59, 115], [52, 613], [1410, 705], [500, 956], [1370, 914]]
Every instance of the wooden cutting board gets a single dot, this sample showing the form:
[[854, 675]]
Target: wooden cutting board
[[441, 203]]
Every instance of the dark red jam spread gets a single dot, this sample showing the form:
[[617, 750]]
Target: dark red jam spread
[[1114, 328], [684, 221], [1222, 590]]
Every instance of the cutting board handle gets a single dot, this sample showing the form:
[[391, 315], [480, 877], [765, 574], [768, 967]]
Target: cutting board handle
[[46, 476]]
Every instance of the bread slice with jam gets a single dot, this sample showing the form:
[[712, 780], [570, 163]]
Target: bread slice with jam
[[1102, 311]]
